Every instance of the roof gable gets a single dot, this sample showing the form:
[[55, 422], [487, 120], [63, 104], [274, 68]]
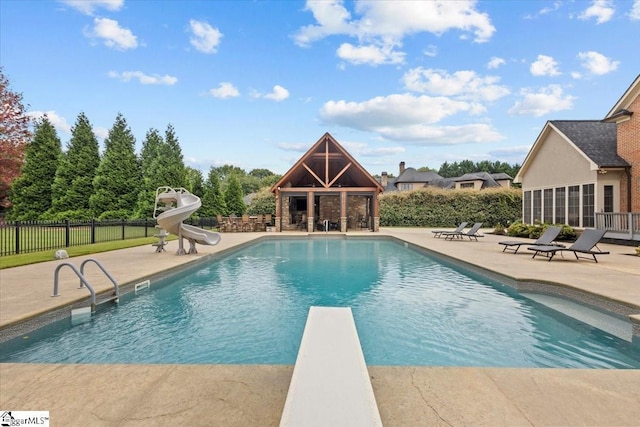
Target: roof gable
[[593, 139], [327, 164], [620, 110]]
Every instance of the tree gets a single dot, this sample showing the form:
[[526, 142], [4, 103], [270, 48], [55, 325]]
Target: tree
[[233, 196], [14, 137], [171, 156], [31, 192], [213, 200], [117, 181], [73, 184], [194, 181], [152, 173]]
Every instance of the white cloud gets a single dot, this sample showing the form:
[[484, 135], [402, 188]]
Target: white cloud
[[89, 6], [58, 122], [278, 94], [601, 10], [361, 149], [544, 66], [409, 118], [112, 34], [464, 85], [495, 62], [372, 55], [634, 13], [382, 25], [225, 90], [101, 133], [299, 148], [546, 100], [204, 37], [143, 78], [597, 63]]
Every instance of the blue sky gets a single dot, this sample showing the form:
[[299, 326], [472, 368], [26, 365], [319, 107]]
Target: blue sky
[[256, 83]]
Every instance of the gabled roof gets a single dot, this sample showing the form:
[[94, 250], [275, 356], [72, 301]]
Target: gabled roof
[[593, 139], [327, 164], [621, 109], [487, 179]]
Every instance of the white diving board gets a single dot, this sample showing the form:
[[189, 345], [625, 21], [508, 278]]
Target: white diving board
[[330, 385]]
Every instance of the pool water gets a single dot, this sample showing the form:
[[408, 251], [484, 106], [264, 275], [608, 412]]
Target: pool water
[[250, 307]]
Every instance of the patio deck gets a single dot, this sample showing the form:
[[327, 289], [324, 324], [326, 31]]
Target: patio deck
[[126, 395]]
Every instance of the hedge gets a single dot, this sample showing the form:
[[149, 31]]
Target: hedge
[[431, 207]]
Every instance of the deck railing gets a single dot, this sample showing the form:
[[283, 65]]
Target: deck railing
[[621, 225]]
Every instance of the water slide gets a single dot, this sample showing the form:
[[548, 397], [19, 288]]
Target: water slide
[[176, 206]]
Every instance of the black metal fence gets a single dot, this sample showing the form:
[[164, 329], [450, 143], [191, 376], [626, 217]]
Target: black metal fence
[[19, 237]]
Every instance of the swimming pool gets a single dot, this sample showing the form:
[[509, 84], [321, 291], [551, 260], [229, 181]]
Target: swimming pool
[[250, 307]]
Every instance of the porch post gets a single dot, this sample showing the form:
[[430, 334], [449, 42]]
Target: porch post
[[310, 210], [343, 211], [278, 219]]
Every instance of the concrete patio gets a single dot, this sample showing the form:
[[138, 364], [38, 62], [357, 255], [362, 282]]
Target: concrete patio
[[242, 395]]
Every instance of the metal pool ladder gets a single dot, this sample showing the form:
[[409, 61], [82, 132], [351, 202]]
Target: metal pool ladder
[[83, 281]]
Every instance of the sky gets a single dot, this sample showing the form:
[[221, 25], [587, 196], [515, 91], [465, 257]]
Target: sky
[[255, 84]]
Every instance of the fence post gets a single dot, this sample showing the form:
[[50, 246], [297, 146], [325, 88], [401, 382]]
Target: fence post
[[67, 234], [123, 224], [146, 234], [17, 237], [93, 230]]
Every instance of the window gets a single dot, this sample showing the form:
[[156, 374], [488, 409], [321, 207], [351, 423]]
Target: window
[[574, 206], [588, 205], [608, 198], [537, 205], [406, 186], [467, 185], [560, 205], [526, 208], [548, 206]]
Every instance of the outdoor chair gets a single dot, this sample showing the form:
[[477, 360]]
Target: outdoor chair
[[438, 233], [546, 239], [471, 234], [260, 225], [246, 223], [585, 244]]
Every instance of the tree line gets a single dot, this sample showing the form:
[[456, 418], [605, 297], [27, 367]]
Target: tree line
[[82, 183]]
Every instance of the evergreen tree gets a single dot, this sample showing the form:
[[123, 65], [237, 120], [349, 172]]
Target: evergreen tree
[[118, 178], [194, 181], [151, 166], [233, 196], [77, 167], [173, 160], [31, 192], [213, 200]]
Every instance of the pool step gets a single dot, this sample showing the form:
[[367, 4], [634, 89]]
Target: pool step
[[330, 385]]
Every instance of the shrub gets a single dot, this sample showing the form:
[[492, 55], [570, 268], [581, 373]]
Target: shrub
[[431, 207]]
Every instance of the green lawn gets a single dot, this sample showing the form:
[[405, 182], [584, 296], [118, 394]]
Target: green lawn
[[48, 255]]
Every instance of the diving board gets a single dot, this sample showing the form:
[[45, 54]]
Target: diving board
[[330, 385]]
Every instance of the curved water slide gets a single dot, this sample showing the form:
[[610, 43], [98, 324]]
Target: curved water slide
[[178, 205]]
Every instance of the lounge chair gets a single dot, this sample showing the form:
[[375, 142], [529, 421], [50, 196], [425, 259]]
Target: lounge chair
[[546, 239], [471, 234], [438, 233], [585, 244]]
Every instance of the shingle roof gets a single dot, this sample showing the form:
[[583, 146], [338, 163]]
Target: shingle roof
[[597, 140], [412, 175]]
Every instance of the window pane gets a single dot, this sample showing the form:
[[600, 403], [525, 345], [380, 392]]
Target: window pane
[[560, 205], [548, 206], [574, 206], [537, 205], [588, 205], [526, 208]]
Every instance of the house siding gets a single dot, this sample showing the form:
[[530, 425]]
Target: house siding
[[629, 149]]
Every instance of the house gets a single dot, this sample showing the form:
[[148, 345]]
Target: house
[[579, 172], [327, 190], [411, 179]]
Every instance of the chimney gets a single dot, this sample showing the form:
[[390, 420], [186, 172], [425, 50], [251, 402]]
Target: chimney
[[401, 168], [383, 180]]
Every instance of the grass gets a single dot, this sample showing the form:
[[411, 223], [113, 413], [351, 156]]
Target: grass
[[48, 255]]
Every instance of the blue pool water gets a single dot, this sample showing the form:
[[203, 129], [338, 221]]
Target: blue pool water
[[251, 306]]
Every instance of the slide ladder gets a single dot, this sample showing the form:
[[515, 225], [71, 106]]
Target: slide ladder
[[84, 282]]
